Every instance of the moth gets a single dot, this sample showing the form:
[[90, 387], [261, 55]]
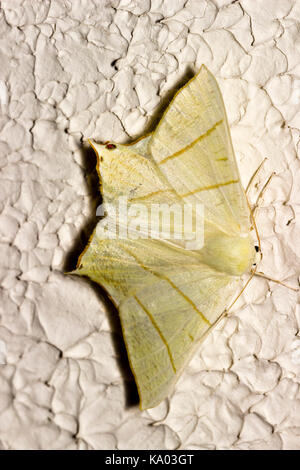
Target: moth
[[169, 292]]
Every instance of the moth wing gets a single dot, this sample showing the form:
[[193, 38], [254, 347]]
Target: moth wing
[[164, 322], [131, 182], [192, 147], [140, 146], [167, 302], [126, 171]]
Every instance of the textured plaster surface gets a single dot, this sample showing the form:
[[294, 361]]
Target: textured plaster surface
[[71, 70]]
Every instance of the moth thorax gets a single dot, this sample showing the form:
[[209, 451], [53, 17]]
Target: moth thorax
[[233, 255]]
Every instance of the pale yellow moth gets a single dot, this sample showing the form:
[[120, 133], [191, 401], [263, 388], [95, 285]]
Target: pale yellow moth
[[169, 297]]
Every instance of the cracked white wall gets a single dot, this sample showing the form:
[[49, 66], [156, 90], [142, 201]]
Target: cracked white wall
[[103, 69]]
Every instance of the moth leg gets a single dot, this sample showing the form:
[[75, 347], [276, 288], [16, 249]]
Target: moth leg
[[260, 274], [227, 312], [253, 209], [262, 191], [249, 185]]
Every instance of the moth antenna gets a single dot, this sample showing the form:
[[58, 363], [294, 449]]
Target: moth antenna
[[260, 274], [254, 174], [263, 190]]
